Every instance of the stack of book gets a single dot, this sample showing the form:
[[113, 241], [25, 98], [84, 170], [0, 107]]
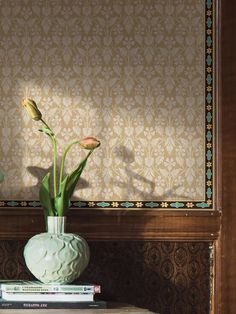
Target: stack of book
[[34, 294]]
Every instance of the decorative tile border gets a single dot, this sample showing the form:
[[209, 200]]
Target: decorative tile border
[[116, 204], [209, 112], [209, 50]]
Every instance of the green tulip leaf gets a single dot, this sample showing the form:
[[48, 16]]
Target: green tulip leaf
[[1, 176], [45, 197], [67, 187], [75, 175]]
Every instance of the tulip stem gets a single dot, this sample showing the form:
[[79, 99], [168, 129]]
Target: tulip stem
[[65, 152], [47, 126], [54, 143]]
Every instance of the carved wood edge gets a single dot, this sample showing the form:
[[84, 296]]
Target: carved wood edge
[[107, 225]]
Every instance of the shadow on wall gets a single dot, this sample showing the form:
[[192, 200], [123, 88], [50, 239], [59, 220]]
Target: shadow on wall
[[128, 159], [129, 185], [39, 173]]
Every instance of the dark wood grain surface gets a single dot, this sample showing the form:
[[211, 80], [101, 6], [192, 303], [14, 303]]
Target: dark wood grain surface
[[112, 309], [118, 224], [228, 243]]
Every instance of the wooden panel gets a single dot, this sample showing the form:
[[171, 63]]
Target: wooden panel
[[229, 156], [118, 224]]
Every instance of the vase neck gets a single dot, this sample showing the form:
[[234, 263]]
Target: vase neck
[[56, 224]]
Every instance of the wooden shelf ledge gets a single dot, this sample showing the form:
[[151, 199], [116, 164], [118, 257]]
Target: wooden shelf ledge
[[107, 225]]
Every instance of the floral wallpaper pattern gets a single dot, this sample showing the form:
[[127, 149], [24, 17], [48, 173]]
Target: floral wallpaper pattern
[[164, 277], [130, 72]]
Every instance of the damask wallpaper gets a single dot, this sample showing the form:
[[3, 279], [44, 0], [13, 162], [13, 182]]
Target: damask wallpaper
[[165, 277], [129, 72]]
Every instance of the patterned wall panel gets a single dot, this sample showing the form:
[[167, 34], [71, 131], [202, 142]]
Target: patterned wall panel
[[135, 73], [166, 277]]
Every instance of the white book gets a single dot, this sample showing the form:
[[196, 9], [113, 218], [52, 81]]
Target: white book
[[37, 287], [47, 297]]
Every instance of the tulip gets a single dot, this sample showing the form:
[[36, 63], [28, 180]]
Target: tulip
[[32, 109], [89, 143], [59, 203]]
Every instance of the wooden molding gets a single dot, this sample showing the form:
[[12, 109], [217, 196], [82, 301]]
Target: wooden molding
[[108, 224]]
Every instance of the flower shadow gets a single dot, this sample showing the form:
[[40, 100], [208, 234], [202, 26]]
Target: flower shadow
[[39, 173], [130, 186]]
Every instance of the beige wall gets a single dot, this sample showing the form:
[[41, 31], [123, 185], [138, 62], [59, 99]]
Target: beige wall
[[130, 72]]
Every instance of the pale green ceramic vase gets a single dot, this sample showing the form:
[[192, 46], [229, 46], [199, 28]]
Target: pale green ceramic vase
[[56, 257]]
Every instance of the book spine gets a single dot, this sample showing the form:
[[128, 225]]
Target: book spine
[[47, 297], [52, 305], [50, 289]]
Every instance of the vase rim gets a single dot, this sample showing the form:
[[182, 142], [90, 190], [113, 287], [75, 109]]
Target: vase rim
[[56, 224]]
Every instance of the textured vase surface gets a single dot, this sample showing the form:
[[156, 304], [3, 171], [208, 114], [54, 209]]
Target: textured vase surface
[[55, 256]]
